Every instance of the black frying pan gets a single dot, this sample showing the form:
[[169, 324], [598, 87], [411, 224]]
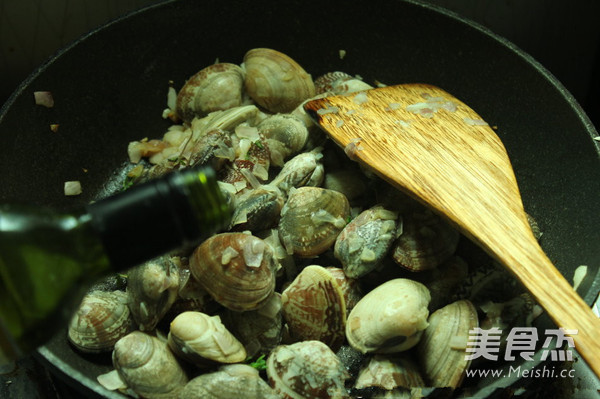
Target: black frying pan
[[110, 88]]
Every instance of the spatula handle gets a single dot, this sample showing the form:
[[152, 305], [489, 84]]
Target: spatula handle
[[559, 299]]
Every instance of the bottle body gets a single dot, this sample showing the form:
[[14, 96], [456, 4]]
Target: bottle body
[[48, 260]]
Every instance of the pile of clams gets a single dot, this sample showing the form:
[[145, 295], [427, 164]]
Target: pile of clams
[[328, 283]]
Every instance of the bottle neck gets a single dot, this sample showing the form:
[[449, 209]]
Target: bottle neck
[[158, 216]]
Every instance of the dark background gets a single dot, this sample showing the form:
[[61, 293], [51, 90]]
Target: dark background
[[563, 36]]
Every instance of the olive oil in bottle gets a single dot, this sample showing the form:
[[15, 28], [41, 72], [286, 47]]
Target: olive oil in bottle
[[49, 259]]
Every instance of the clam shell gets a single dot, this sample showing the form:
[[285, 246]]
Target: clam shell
[[216, 87], [442, 349], [231, 381], [339, 83], [285, 135], [314, 307], [275, 81], [348, 182], [236, 269], [350, 287], [390, 318], [307, 369], [365, 241], [203, 339], [102, 319], [426, 241], [389, 373], [151, 291], [259, 330], [311, 220], [258, 210], [302, 170], [444, 280], [148, 367]]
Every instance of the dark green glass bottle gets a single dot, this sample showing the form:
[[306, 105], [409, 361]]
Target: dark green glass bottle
[[48, 259]]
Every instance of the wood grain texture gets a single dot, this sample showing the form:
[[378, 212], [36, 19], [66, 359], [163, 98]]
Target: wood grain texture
[[437, 152]]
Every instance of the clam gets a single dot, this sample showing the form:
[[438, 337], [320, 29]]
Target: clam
[[286, 135], [214, 149], [227, 119], [151, 289], [236, 269], [519, 311], [314, 307], [340, 83], [311, 220], [346, 181], [259, 330], [442, 349], [350, 287], [306, 370], [203, 339], [365, 241], [231, 381], [148, 367], [275, 81], [390, 318], [444, 280], [100, 321], [216, 87], [389, 373], [426, 241], [252, 146], [258, 210], [302, 170]]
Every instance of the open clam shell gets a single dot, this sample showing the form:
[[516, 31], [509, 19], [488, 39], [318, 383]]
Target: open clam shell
[[390, 318], [442, 349], [307, 369], [314, 307], [236, 269]]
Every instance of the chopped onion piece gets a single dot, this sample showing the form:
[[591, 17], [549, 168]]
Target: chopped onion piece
[[172, 98], [474, 122], [342, 54], [111, 381], [72, 188], [253, 252], [459, 342], [351, 150], [228, 254], [328, 110], [360, 98], [44, 98], [247, 132], [250, 177]]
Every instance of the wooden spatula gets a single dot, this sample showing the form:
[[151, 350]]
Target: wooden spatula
[[438, 150]]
